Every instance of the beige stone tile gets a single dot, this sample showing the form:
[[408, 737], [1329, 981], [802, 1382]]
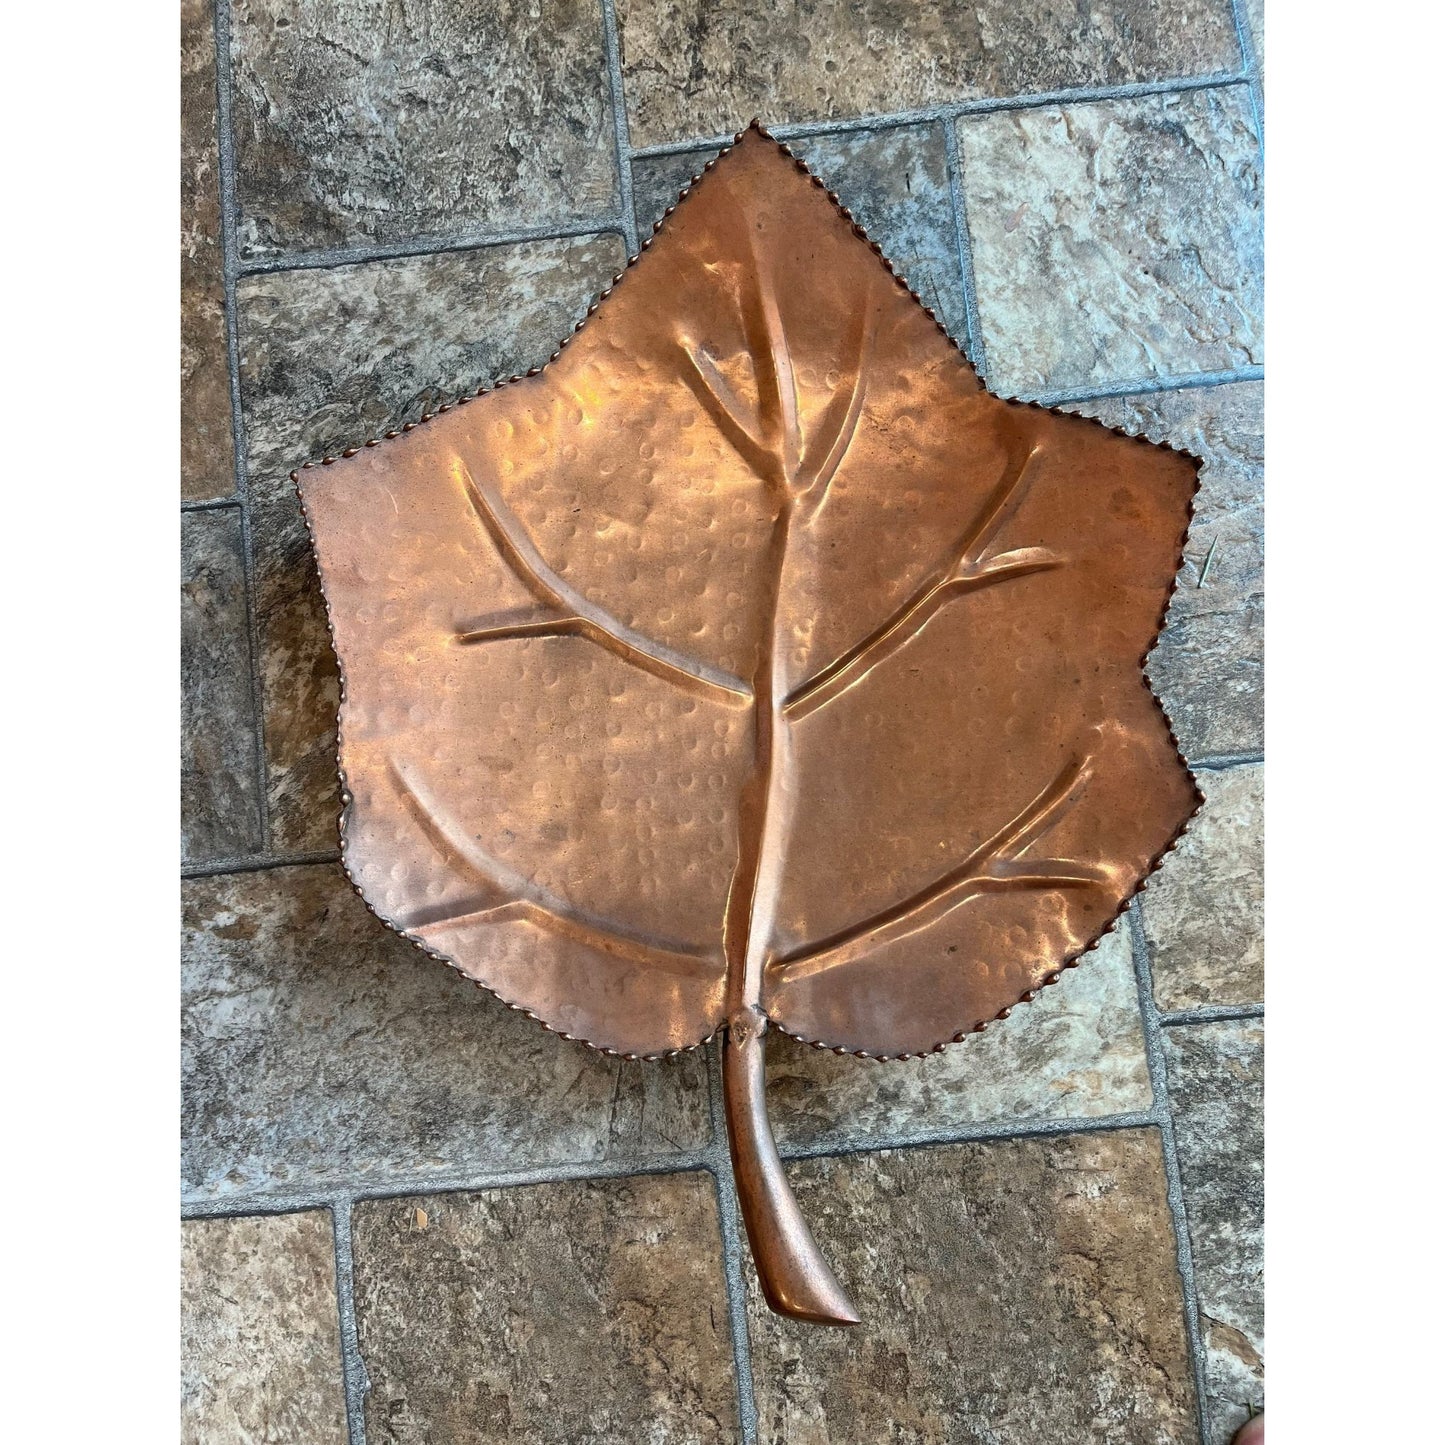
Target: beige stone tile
[[694, 69], [1075, 1051], [220, 804], [574, 1313], [1116, 240], [328, 359], [1203, 912], [1209, 665], [207, 457], [1216, 1086], [894, 181], [1022, 1291], [319, 1048], [260, 1339], [358, 124]]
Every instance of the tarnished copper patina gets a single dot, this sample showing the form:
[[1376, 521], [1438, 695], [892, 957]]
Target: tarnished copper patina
[[750, 664]]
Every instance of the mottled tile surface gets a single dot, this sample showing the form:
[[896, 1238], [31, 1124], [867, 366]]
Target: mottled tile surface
[[318, 1047], [1116, 240], [895, 182], [658, 181], [1203, 911], [1254, 19], [1076, 1051], [207, 459], [1022, 1291], [330, 358], [358, 123], [587, 1312], [220, 800], [695, 69], [1216, 1083], [301, 688], [1209, 664], [260, 1338]]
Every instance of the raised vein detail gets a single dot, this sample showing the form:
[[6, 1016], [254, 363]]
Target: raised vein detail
[[509, 897], [996, 866], [968, 571], [577, 616], [772, 445]]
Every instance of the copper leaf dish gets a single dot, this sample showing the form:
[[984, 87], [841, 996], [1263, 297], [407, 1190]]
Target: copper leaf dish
[[750, 664]]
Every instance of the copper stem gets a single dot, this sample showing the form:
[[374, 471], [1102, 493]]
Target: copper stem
[[795, 1277]]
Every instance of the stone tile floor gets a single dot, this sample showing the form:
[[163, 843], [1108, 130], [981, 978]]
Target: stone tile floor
[[414, 1216]]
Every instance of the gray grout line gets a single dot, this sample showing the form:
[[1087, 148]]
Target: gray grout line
[[963, 242], [1174, 1184], [226, 158], [952, 110], [713, 1156], [619, 125], [353, 1368], [1247, 51], [401, 1186], [212, 504], [1143, 386], [1216, 1013], [431, 246], [732, 1251], [730, 1225], [258, 863], [1222, 762], [983, 1133]]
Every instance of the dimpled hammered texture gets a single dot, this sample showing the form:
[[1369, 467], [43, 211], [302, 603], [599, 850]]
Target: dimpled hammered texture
[[751, 664]]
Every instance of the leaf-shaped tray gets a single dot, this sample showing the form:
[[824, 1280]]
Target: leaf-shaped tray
[[751, 663]]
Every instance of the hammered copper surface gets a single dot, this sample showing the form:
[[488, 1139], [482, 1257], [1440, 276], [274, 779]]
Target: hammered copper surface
[[751, 662]]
